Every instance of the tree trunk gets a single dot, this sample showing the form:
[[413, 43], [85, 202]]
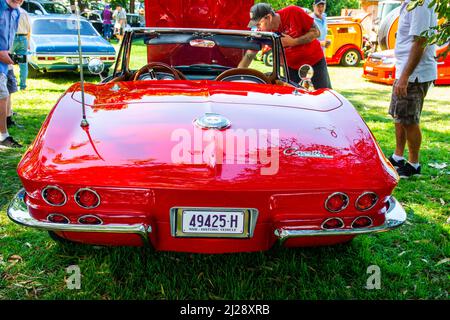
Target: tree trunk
[[132, 6]]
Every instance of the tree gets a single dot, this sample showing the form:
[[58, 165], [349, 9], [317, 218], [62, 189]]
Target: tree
[[441, 33]]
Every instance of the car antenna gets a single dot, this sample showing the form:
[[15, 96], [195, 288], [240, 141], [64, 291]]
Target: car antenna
[[84, 122]]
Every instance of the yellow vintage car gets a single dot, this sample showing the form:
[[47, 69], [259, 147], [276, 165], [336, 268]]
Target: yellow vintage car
[[346, 37]]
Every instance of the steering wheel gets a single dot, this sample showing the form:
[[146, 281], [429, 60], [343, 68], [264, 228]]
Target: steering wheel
[[244, 75], [155, 67]]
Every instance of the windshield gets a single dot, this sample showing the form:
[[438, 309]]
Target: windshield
[[198, 54], [55, 8], [62, 27], [181, 49]]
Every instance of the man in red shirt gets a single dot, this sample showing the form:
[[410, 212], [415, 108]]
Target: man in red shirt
[[299, 38]]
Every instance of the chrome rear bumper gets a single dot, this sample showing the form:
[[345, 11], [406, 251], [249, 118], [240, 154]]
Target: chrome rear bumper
[[395, 217], [18, 212]]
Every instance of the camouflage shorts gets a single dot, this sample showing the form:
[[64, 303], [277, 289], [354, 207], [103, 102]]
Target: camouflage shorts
[[407, 110]]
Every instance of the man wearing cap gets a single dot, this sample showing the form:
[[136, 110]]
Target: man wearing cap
[[299, 38], [9, 21], [320, 18]]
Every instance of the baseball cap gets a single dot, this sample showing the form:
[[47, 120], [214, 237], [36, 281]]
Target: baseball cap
[[316, 2], [259, 11]]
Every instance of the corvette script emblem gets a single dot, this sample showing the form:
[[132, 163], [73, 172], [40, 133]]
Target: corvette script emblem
[[306, 154]]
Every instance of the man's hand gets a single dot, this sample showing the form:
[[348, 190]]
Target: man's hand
[[400, 87], [4, 57], [288, 41]]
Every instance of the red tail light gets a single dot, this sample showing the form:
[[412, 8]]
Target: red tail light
[[54, 196], [58, 218], [366, 201], [333, 223], [87, 198], [362, 222], [90, 220], [336, 202]]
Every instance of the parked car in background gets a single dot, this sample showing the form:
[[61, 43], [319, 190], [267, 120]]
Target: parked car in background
[[44, 7], [54, 44], [380, 67], [95, 18], [346, 37]]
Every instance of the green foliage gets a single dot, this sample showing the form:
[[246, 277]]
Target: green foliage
[[333, 6]]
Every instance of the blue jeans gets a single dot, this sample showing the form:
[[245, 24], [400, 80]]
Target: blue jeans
[[107, 31], [20, 46]]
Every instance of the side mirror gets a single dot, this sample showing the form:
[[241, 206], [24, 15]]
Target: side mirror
[[306, 73]]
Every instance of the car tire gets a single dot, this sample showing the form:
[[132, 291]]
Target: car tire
[[351, 58], [268, 58]]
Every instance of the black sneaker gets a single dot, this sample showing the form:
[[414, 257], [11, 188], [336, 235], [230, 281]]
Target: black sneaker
[[397, 164], [10, 143], [408, 171], [11, 123]]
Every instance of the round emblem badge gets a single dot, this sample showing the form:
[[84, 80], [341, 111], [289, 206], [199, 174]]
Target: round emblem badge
[[212, 121]]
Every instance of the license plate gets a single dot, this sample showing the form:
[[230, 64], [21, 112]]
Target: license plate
[[369, 68], [212, 223], [77, 60]]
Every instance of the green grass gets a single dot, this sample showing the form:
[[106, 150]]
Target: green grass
[[411, 258]]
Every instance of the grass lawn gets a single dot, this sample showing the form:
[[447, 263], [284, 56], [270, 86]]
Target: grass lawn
[[414, 260]]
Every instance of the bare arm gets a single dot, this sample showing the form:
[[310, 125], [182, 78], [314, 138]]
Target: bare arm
[[4, 57], [247, 59], [312, 34], [415, 55]]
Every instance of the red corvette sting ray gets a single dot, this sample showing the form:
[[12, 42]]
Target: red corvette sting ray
[[184, 151]]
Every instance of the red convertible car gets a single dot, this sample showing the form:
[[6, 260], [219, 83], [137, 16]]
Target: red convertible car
[[183, 151]]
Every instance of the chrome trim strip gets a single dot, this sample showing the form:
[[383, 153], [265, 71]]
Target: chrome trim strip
[[18, 213], [333, 194], [57, 188], [86, 189], [362, 195], [334, 218], [371, 222], [395, 217]]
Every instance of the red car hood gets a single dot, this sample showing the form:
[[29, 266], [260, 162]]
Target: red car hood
[[136, 128]]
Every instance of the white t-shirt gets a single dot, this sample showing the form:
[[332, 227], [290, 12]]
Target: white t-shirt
[[413, 23]]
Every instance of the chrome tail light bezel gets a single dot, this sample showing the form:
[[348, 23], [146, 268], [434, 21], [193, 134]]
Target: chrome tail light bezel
[[333, 218], [56, 188], [90, 190], [362, 195], [347, 202]]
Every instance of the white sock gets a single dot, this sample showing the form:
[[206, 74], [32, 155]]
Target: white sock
[[397, 158], [3, 136], [415, 165]]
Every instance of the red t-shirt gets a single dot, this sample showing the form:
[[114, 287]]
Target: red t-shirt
[[296, 22]]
